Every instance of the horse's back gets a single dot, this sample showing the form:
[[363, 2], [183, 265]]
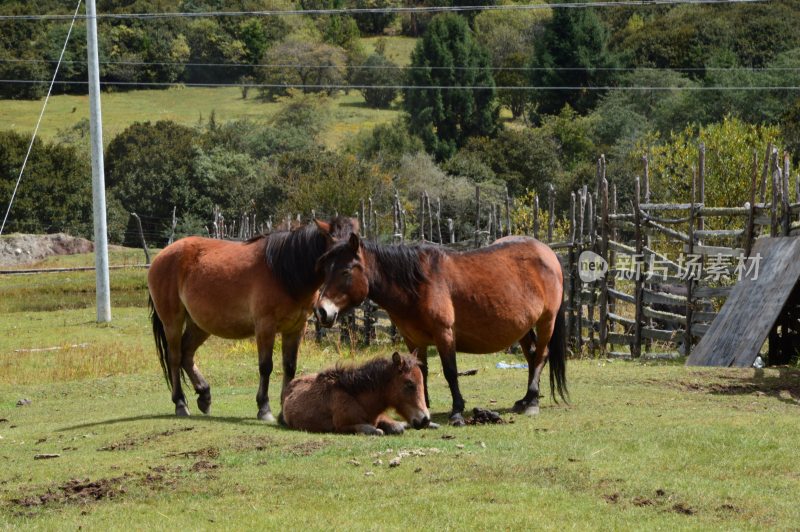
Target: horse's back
[[494, 295], [306, 405], [213, 280]]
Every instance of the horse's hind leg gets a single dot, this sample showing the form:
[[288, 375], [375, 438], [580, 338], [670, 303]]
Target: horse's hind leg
[[174, 357], [536, 360], [193, 338]]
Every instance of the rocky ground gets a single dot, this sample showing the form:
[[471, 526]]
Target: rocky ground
[[19, 249]]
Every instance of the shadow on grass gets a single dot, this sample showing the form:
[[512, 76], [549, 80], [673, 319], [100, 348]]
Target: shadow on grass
[[783, 385], [234, 420]]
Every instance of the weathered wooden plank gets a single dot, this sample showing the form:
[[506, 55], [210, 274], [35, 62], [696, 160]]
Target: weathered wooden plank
[[736, 336], [621, 296], [715, 250], [668, 317], [723, 211], [620, 319], [713, 291], [620, 339], [619, 355], [698, 317], [666, 206], [662, 298], [720, 233], [659, 334]]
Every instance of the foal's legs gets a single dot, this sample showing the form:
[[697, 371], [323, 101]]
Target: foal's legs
[[265, 339], [536, 361], [192, 338]]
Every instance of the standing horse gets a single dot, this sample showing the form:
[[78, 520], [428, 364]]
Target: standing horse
[[479, 301], [264, 286], [353, 399]]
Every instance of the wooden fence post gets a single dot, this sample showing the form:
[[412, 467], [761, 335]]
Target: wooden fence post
[[570, 275], [141, 235], [603, 332], [422, 217], [776, 189], [785, 212], [578, 282], [748, 230], [551, 220], [688, 338], [701, 174], [536, 216], [508, 213], [639, 290], [765, 173], [430, 216], [477, 216], [174, 225], [439, 219]]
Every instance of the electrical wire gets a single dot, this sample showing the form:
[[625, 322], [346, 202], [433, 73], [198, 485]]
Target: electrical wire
[[39, 121], [387, 10], [417, 87]]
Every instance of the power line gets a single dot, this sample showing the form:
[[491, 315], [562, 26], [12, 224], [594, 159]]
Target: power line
[[412, 87], [386, 10], [39, 121], [411, 67]]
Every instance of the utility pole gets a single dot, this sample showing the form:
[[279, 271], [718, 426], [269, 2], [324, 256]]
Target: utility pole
[[98, 172]]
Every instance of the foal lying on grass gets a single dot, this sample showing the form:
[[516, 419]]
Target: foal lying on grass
[[353, 399]]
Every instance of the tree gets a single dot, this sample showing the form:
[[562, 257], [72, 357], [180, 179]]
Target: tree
[[313, 67], [150, 168], [386, 144], [374, 23], [55, 193], [377, 70], [448, 56], [574, 39]]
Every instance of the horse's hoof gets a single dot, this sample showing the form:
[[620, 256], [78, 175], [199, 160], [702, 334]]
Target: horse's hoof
[[267, 417], [532, 410], [204, 404], [378, 432], [181, 411], [457, 420], [393, 428]]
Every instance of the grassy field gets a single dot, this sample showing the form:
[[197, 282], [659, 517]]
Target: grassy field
[[639, 447], [190, 105], [185, 105]]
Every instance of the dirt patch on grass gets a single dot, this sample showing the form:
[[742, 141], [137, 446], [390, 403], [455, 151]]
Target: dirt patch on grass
[[307, 448], [75, 491], [206, 452], [132, 442], [254, 443], [782, 383]]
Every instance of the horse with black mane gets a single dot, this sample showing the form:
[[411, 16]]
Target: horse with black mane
[[263, 287], [480, 301], [353, 400]]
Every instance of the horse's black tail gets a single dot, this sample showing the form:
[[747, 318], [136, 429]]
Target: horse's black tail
[[557, 356], [161, 340]]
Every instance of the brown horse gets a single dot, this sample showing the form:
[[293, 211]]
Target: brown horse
[[353, 399], [262, 287], [480, 301]]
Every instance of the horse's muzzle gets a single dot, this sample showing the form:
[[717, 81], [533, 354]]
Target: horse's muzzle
[[325, 319], [421, 423]]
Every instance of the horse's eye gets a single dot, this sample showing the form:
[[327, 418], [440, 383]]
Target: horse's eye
[[411, 386], [346, 274]]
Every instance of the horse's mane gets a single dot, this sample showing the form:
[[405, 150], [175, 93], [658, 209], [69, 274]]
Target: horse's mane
[[292, 255], [371, 376], [403, 264]]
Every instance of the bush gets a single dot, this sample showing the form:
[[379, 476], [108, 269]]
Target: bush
[[378, 70]]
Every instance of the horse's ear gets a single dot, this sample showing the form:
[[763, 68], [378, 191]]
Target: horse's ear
[[355, 242], [325, 227], [396, 358], [415, 353]]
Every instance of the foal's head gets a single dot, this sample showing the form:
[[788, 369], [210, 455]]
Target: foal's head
[[346, 282], [406, 391]]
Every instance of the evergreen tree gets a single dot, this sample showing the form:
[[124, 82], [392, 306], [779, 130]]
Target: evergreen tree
[[574, 39], [448, 56]]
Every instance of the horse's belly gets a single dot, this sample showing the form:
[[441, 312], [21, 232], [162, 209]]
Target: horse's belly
[[489, 338]]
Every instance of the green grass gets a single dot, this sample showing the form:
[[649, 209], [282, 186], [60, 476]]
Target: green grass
[[398, 48], [185, 105], [639, 447]]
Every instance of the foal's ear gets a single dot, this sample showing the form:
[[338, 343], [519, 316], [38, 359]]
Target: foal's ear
[[355, 242], [396, 358], [415, 353]]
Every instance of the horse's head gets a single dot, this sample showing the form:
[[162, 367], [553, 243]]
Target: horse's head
[[346, 283], [406, 391]]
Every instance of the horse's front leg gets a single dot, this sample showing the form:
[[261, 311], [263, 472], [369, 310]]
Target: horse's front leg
[[265, 340], [289, 349], [447, 353]]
